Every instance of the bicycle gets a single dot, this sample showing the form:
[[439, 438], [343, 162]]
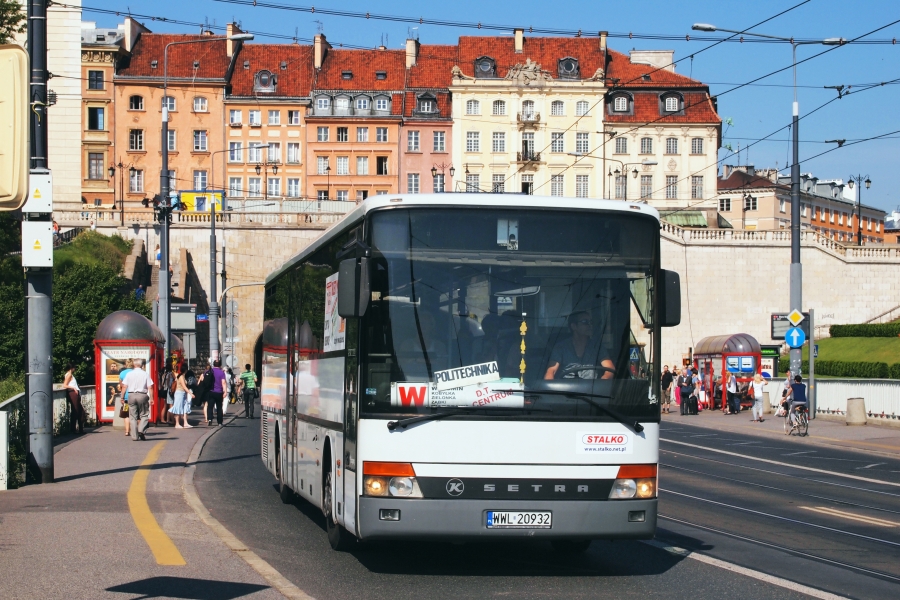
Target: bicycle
[[802, 421]]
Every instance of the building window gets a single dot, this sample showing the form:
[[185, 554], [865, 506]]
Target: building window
[[581, 108], [95, 119], [438, 183], [323, 103], [498, 141], [381, 104], [293, 117], [671, 145], [646, 186], [381, 134], [498, 184], [293, 187], [362, 165], [255, 118], [254, 154], [528, 184], [621, 190], [95, 166], [802, 209], [557, 142], [274, 186], [321, 165], [381, 165], [832, 217], [528, 110], [321, 195], [782, 206], [274, 152], [473, 142], [362, 134], [696, 145], [200, 105], [557, 185], [343, 195], [426, 105], [254, 187], [472, 182], [235, 187], [95, 80], [321, 134], [646, 145], [750, 203], [557, 108], [235, 117], [697, 187], [342, 105], [293, 152], [412, 141], [621, 145], [235, 152], [724, 204], [671, 187], [168, 103], [136, 139], [473, 107], [498, 108], [171, 142], [620, 104], [412, 183], [343, 165], [199, 140], [528, 152], [274, 117], [581, 186], [671, 104], [582, 145], [136, 103], [841, 219], [135, 181], [362, 103], [199, 180], [343, 134], [439, 145]]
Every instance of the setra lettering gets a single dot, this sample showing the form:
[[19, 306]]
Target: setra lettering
[[559, 488], [490, 487]]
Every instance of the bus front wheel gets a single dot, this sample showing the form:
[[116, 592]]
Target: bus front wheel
[[339, 538]]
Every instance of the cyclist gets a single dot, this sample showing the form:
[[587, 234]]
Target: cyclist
[[797, 397], [248, 390]]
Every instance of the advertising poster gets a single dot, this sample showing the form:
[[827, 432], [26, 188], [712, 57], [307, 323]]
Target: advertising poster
[[200, 201], [335, 326], [114, 358], [501, 393]]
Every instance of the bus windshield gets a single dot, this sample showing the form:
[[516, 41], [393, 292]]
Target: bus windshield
[[546, 314]]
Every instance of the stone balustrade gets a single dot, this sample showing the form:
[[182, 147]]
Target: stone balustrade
[[107, 218]]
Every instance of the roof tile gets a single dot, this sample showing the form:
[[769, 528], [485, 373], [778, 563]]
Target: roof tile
[[545, 51], [698, 108], [151, 46], [363, 65], [294, 81]]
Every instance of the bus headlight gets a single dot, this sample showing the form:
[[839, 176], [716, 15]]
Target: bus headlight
[[634, 481], [375, 486], [401, 486], [646, 488], [623, 489], [390, 479]]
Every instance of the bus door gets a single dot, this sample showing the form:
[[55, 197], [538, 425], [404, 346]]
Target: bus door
[[345, 484]]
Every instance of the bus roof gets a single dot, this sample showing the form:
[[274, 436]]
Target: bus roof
[[465, 200]]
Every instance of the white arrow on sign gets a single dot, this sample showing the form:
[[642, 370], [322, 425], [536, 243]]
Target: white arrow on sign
[[794, 335]]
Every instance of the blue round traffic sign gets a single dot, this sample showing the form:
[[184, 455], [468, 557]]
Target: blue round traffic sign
[[794, 337]]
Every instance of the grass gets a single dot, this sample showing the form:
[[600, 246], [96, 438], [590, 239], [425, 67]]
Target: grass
[[93, 248], [886, 350], [11, 387]]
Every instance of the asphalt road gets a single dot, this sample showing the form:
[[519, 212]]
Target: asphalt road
[[706, 503]]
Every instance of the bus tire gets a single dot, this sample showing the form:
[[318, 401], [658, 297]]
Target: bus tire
[[571, 546], [339, 538], [284, 492]]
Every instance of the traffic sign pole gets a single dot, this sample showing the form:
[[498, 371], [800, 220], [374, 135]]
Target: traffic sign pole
[[812, 364]]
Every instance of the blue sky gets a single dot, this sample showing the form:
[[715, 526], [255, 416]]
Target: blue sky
[[755, 111]]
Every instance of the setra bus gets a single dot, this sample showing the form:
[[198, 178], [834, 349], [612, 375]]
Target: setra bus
[[471, 367]]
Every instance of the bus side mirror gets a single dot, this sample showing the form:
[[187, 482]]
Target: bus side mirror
[[670, 299], [353, 287]]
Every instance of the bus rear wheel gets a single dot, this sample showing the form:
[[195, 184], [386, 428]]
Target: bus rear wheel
[[339, 538], [284, 492], [571, 546]]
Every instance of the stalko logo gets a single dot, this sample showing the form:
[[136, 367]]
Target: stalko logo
[[605, 439]]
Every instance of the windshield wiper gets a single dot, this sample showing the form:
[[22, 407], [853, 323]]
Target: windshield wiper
[[589, 398], [404, 423]]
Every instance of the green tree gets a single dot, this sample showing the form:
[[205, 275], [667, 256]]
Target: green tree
[[12, 20]]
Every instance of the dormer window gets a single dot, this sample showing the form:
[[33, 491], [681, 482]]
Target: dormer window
[[284, 65], [246, 64], [380, 74], [347, 75], [382, 104], [620, 104], [362, 103], [196, 64], [671, 103], [154, 64], [426, 103], [485, 66], [264, 82], [567, 68], [323, 103]]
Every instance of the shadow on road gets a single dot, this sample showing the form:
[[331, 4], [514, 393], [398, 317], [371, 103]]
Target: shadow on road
[[154, 467], [189, 589]]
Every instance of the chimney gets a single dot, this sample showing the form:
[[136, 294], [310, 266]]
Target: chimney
[[231, 46], [133, 31], [412, 52], [603, 35], [520, 40], [321, 46]]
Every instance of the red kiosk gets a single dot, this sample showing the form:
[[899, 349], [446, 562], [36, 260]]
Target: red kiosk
[[738, 354], [122, 335]]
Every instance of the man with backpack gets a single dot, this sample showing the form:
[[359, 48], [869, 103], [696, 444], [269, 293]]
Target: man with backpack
[[247, 389]]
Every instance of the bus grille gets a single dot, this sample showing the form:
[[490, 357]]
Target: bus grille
[[265, 438]]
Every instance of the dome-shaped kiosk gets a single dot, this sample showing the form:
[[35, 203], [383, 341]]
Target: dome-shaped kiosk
[[718, 356], [124, 335]]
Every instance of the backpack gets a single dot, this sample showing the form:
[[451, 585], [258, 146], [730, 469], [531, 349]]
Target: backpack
[[190, 380]]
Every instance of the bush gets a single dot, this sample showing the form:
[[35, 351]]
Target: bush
[[867, 330], [839, 368]]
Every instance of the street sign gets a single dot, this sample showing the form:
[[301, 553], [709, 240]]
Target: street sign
[[816, 351], [202, 318], [795, 317], [182, 317], [635, 353], [780, 324], [795, 337]]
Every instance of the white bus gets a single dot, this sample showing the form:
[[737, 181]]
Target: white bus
[[471, 367]]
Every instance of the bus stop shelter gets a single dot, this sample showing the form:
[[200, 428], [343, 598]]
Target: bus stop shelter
[[737, 353]]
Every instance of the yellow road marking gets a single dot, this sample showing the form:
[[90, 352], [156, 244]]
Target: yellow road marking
[[161, 545], [839, 513]]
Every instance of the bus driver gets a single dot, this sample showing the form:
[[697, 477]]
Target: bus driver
[[582, 349]]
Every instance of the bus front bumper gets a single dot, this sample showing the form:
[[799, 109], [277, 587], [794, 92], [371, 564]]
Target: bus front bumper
[[467, 519]]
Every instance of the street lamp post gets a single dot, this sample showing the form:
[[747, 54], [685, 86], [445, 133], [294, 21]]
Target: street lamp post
[[165, 205], [858, 180], [263, 167], [328, 181], [434, 172], [796, 267], [112, 174], [617, 172]]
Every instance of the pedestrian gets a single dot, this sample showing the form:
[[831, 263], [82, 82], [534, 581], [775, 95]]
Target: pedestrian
[[77, 416], [55, 231], [158, 256], [204, 386], [686, 389], [248, 388], [93, 225], [123, 393], [140, 293], [697, 398], [676, 392], [756, 394], [229, 389], [167, 392], [181, 407], [665, 386], [731, 391], [138, 383], [216, 394]]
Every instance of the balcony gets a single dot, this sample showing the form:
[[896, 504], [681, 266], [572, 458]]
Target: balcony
[[528, 156], [528, 119]]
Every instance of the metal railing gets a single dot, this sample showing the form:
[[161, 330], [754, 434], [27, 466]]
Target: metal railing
[[882, 397], [14, 429]]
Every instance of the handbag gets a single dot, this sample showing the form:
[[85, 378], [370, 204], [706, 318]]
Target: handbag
[[123, 411]]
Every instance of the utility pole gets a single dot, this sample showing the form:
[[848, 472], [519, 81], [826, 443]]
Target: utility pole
[[37, 216], [213, 296]]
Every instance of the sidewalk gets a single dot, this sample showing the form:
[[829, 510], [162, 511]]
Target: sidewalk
[[866, 438], [110, 528]]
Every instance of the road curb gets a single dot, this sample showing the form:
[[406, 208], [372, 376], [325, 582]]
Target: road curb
[[267, 571]]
